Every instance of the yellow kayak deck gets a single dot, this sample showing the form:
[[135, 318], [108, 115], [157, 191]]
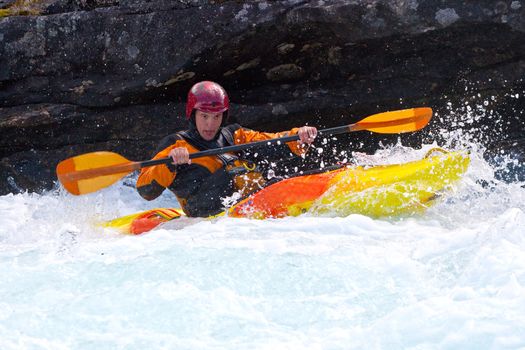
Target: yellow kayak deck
[[378, 191]]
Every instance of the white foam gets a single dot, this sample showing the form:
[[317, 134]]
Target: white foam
[[452, 278]]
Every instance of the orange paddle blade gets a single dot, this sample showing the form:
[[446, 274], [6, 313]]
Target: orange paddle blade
[[405, 120], [91, 172]]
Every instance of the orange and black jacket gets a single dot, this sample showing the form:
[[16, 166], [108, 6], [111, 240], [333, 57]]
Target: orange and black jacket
[[201, 186]]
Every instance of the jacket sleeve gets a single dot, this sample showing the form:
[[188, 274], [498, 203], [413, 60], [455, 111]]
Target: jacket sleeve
[[153, 180], [243, 135]]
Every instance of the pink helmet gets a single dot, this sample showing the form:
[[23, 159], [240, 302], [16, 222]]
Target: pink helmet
[[207, 96]]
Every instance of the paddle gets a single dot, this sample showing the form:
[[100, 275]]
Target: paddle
[[91, 172]]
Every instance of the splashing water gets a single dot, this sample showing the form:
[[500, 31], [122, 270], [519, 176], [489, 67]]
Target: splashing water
[[452, 278]]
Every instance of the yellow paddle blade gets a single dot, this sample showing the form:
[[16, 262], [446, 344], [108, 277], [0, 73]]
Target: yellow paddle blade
[[405, 120], [90, 172]]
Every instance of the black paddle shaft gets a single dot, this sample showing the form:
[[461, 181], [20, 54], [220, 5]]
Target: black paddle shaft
[[236, 148]]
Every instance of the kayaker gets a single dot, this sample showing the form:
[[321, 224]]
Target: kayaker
[[201, 184]]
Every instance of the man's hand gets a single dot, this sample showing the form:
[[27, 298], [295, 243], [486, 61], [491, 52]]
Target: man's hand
[[307, 134], [180, 155]]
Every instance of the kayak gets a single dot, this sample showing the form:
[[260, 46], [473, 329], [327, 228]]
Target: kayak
[[377, 191]]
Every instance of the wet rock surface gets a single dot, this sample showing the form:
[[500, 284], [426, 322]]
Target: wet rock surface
[[113, 75]]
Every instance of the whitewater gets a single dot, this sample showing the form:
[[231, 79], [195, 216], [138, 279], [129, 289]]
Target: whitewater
[[452, 278]]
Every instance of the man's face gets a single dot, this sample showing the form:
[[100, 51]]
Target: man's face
[[208, 124]]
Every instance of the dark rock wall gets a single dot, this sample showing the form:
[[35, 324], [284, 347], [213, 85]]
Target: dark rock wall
[[113, 75]]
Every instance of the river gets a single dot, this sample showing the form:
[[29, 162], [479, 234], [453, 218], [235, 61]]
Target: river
[[452, 278]]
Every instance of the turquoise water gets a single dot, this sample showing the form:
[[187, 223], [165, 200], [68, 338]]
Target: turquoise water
[[450, 279]]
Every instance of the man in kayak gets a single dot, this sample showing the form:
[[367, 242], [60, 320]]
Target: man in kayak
[[201, 184]]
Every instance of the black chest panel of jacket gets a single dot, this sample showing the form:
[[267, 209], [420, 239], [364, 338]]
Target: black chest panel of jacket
[[202, 190]]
